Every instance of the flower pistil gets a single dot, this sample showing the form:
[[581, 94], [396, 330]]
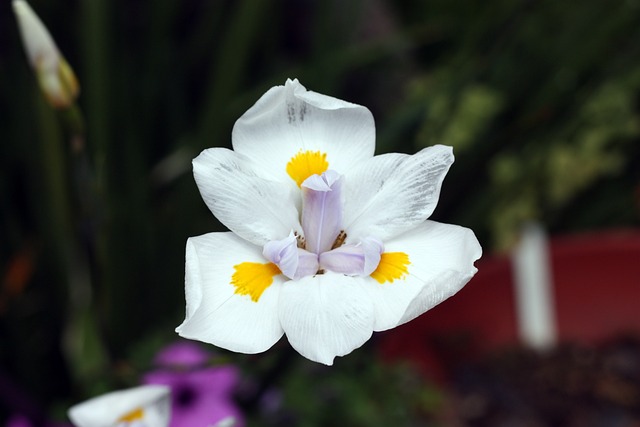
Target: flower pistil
[[324, 247]]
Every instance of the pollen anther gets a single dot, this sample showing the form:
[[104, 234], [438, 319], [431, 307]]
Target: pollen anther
[[342, 236]]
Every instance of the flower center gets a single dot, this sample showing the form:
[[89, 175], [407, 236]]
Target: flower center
[[323, 248], [185, 397]]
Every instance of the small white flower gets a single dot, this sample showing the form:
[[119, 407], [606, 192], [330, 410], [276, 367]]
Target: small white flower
[[225, 422], [328, 243], [144, 406], [57, 80]]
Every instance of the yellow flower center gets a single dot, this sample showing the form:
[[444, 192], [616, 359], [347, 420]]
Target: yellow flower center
[[307, 163], [393, 265], [252, 278], [136, 414]]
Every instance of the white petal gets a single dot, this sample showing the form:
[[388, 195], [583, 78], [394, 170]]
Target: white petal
[[289, 119], [40, 47], [441, 262], [229, 421], [256, 209], [392, 193], [215, 313], [107, 409], [325, 316]]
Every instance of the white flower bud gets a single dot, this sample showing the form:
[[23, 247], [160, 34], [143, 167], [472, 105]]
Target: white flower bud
[[56, 78]]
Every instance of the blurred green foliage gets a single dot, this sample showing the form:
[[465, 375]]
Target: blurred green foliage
[[538, 98], [358, 391]]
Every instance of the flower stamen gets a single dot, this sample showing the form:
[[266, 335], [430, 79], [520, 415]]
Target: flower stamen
[[342, 236], [301, 241]]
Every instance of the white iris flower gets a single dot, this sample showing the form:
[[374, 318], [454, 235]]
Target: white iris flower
[[328, 243], [144, 406]]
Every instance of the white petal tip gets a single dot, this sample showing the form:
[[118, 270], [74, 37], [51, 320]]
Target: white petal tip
[[20, 6], [293, 82]]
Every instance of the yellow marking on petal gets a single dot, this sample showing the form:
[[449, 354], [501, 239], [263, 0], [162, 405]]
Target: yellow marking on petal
[[252, 278], [307, 163], [136, 414], [392, 266]]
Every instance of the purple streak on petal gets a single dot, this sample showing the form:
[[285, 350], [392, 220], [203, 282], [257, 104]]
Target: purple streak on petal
[[321, 210], [182, 353], [353, 260], [292, 261]]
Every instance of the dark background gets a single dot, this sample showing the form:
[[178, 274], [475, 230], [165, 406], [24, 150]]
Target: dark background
[[540, 100]]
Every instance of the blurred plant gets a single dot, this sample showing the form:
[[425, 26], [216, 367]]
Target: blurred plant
[[541, 182], [359, 390], [59, 85], [22, 421], [544, 114], [455, 121]]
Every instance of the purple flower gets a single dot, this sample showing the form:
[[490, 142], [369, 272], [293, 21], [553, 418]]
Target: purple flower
[[201, 395], [184, 354]]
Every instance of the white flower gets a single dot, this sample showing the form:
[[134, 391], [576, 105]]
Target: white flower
[[144, 406], [328, 243], [57, 80], [225, 422]]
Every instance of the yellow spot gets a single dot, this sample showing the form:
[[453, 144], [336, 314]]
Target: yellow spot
[[393, 265], [252, 278], [307, 163], [136, 414]]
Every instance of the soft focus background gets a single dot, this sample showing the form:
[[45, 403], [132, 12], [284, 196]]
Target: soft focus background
[[540, 100]]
